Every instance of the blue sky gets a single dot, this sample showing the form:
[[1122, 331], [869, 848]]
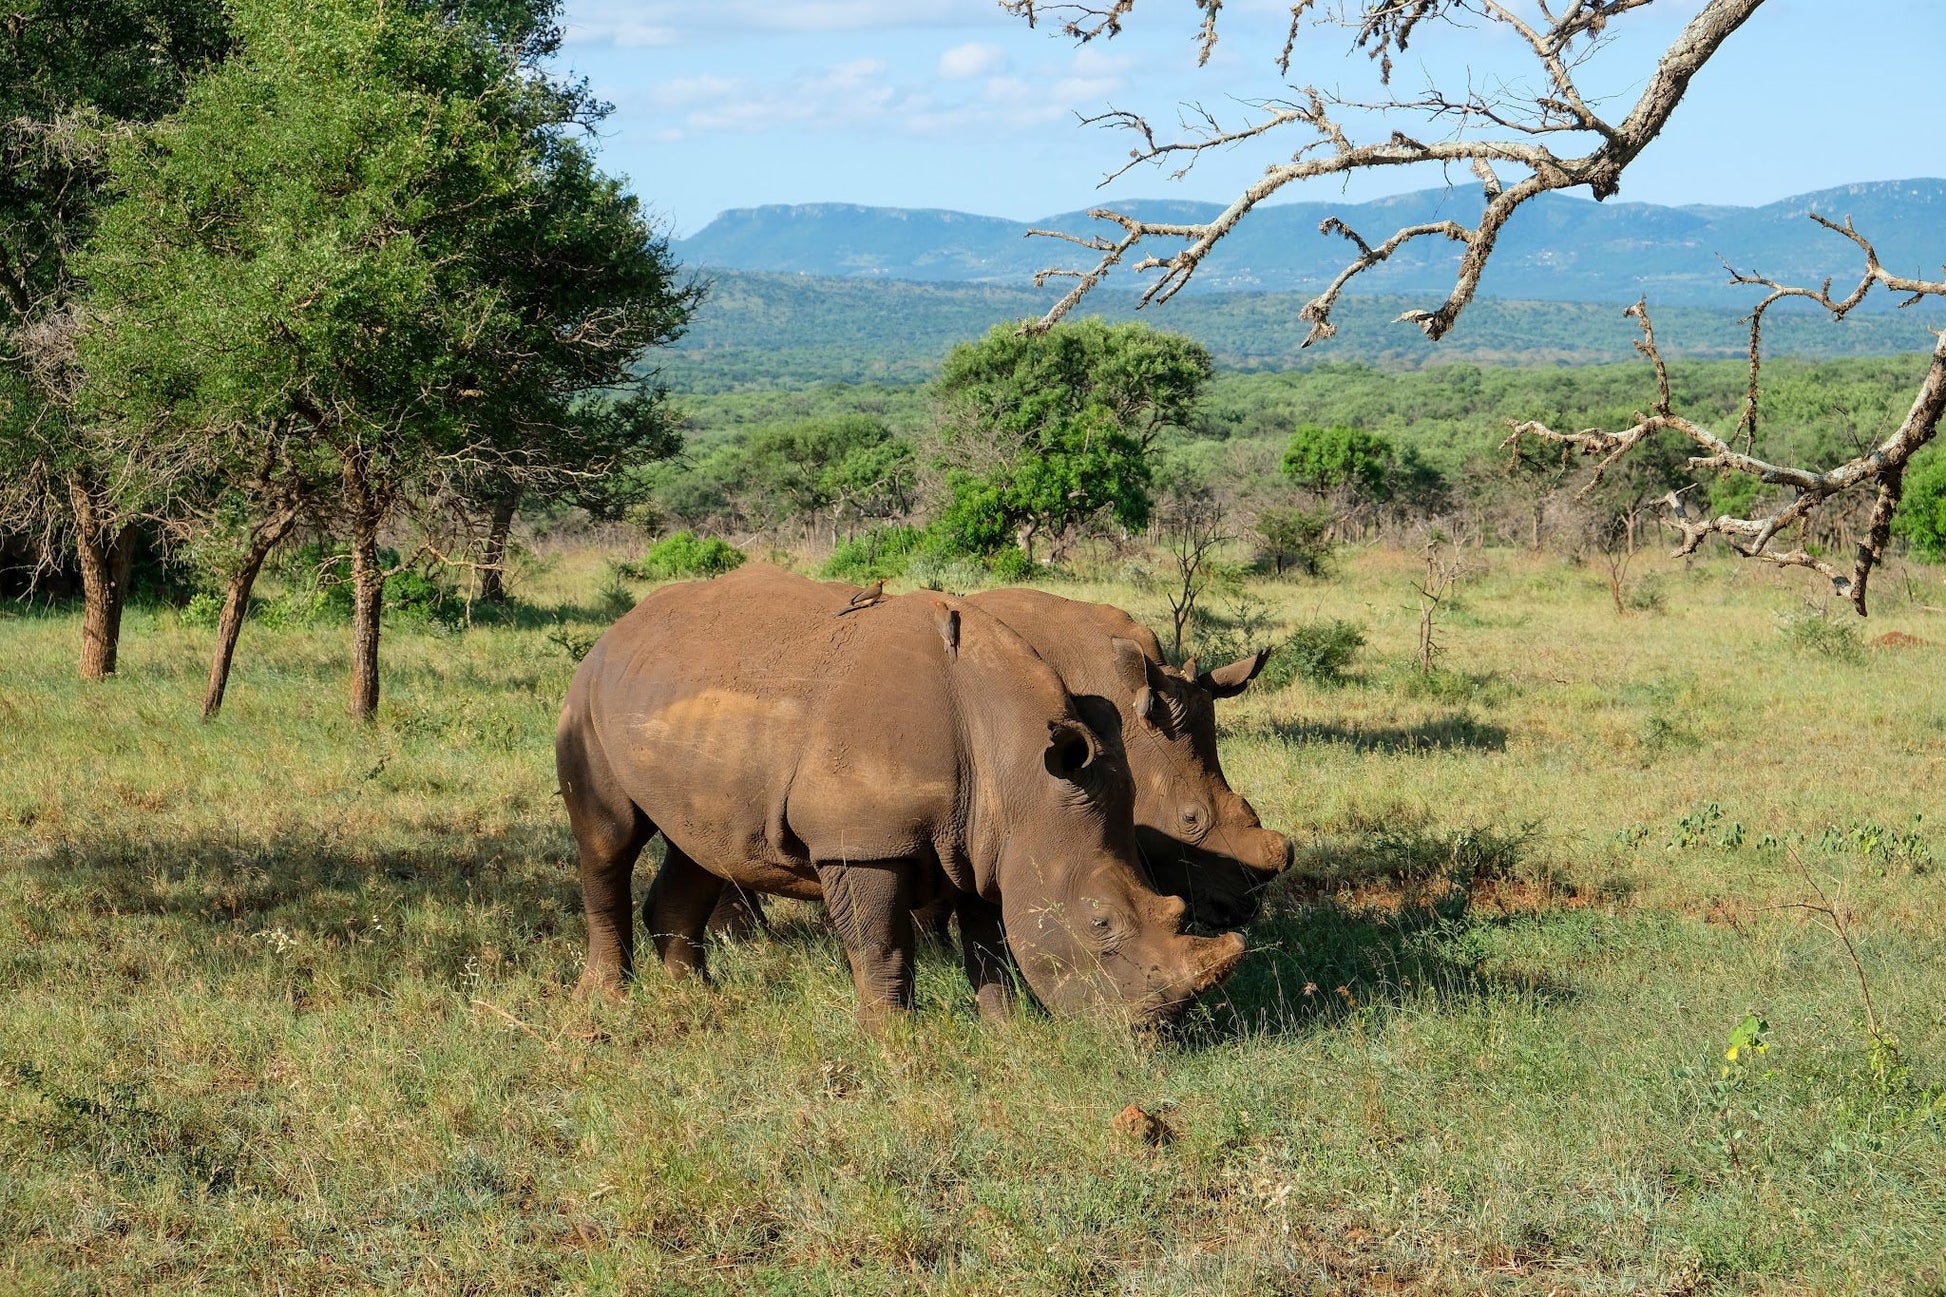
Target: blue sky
[[954, 103]]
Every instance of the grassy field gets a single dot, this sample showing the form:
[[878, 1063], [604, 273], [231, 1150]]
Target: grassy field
[[284, 1001]]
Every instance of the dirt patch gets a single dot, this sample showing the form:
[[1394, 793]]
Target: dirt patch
[[1898, 639], [1133, 1123]]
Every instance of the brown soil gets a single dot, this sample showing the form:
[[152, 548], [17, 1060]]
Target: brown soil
[[1898, 639]]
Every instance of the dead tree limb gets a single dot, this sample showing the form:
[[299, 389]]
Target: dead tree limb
[[1879, 468], [1486, 132]]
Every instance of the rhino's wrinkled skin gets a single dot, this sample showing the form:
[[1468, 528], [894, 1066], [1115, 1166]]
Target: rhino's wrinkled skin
[[887, 758], [1200, 840]]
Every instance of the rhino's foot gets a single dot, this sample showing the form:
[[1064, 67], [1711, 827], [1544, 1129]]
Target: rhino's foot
[[738, 916], [996, 1000], [601, 984], [885, 1020]]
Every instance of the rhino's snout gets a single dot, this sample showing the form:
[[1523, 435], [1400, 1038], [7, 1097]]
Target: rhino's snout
[[1202, 963]]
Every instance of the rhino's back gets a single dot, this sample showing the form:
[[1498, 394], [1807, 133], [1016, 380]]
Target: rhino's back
[[1073, 636], [752, 723]]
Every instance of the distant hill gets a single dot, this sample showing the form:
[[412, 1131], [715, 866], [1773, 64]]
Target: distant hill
[[1558, 249], [774, 330]]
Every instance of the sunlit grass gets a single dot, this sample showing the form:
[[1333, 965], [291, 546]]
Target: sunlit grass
[[284, 1000]]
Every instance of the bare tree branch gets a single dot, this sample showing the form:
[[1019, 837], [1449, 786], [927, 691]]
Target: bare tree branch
[[1879, 468], [1567, 35]]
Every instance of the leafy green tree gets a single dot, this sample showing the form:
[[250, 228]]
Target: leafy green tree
[[1922, 517], [1296, 538], [831, 470], [1360, 464], [1040, 435], [73, 74], [1361, 470], [850, 463], [366, 267]]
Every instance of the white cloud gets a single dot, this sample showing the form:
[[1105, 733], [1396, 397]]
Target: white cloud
[[973, 59], [849, 94], [1085, 93], [688, 92], [626, 23], [972, 91]]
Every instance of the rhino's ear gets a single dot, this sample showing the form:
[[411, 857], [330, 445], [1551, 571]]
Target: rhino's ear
[[1131, 663], [1136, 669], [1071, 748], [1145, 704], [1229, 681], [946, 621]]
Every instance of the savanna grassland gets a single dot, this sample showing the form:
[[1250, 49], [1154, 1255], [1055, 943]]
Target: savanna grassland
[[284, 999]]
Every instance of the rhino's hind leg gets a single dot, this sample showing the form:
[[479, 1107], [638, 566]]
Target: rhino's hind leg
[[739, 915], [677, 912], [609, 833], [871, 907]]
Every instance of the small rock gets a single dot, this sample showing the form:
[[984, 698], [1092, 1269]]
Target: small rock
[[1133, 1123]]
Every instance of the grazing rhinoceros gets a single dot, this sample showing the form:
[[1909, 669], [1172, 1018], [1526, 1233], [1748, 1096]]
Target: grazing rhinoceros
[[882, 757], [1199, 839]]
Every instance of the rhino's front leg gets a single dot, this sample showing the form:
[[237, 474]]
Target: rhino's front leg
[[870, 903], [988, 965]]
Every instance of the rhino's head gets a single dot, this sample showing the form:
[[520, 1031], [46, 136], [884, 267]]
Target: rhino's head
[[1199, 839], [1081, 922]]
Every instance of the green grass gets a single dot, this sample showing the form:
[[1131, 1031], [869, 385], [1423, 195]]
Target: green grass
[[284, 1001]]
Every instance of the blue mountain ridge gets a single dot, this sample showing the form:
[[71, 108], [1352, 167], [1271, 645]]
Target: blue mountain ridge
[[1557, 248]]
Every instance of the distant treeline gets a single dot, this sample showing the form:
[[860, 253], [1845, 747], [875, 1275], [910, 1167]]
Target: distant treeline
[[770, 330], [1814, 411], [1338, 451]]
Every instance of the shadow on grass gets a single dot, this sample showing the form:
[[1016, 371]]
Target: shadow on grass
[[367, 915], [1318, 963], [1456, 730], [308, 881]]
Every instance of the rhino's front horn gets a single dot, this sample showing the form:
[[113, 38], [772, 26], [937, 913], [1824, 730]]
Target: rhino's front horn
[[1214, 959]]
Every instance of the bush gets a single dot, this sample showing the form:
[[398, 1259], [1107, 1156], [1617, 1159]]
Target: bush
[[1319, 651], [684, 554], [1809, 630], [613, 598], [1921, 519], [318, 588], [880, 552], [930, 569], [1011, 566], [1645, 595], [202, 611], [1296, 539]]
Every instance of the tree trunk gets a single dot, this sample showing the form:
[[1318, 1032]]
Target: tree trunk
[[105, 564], [367, 594], [493, 571], [106, 554], [1024, 537], [236, 602]]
